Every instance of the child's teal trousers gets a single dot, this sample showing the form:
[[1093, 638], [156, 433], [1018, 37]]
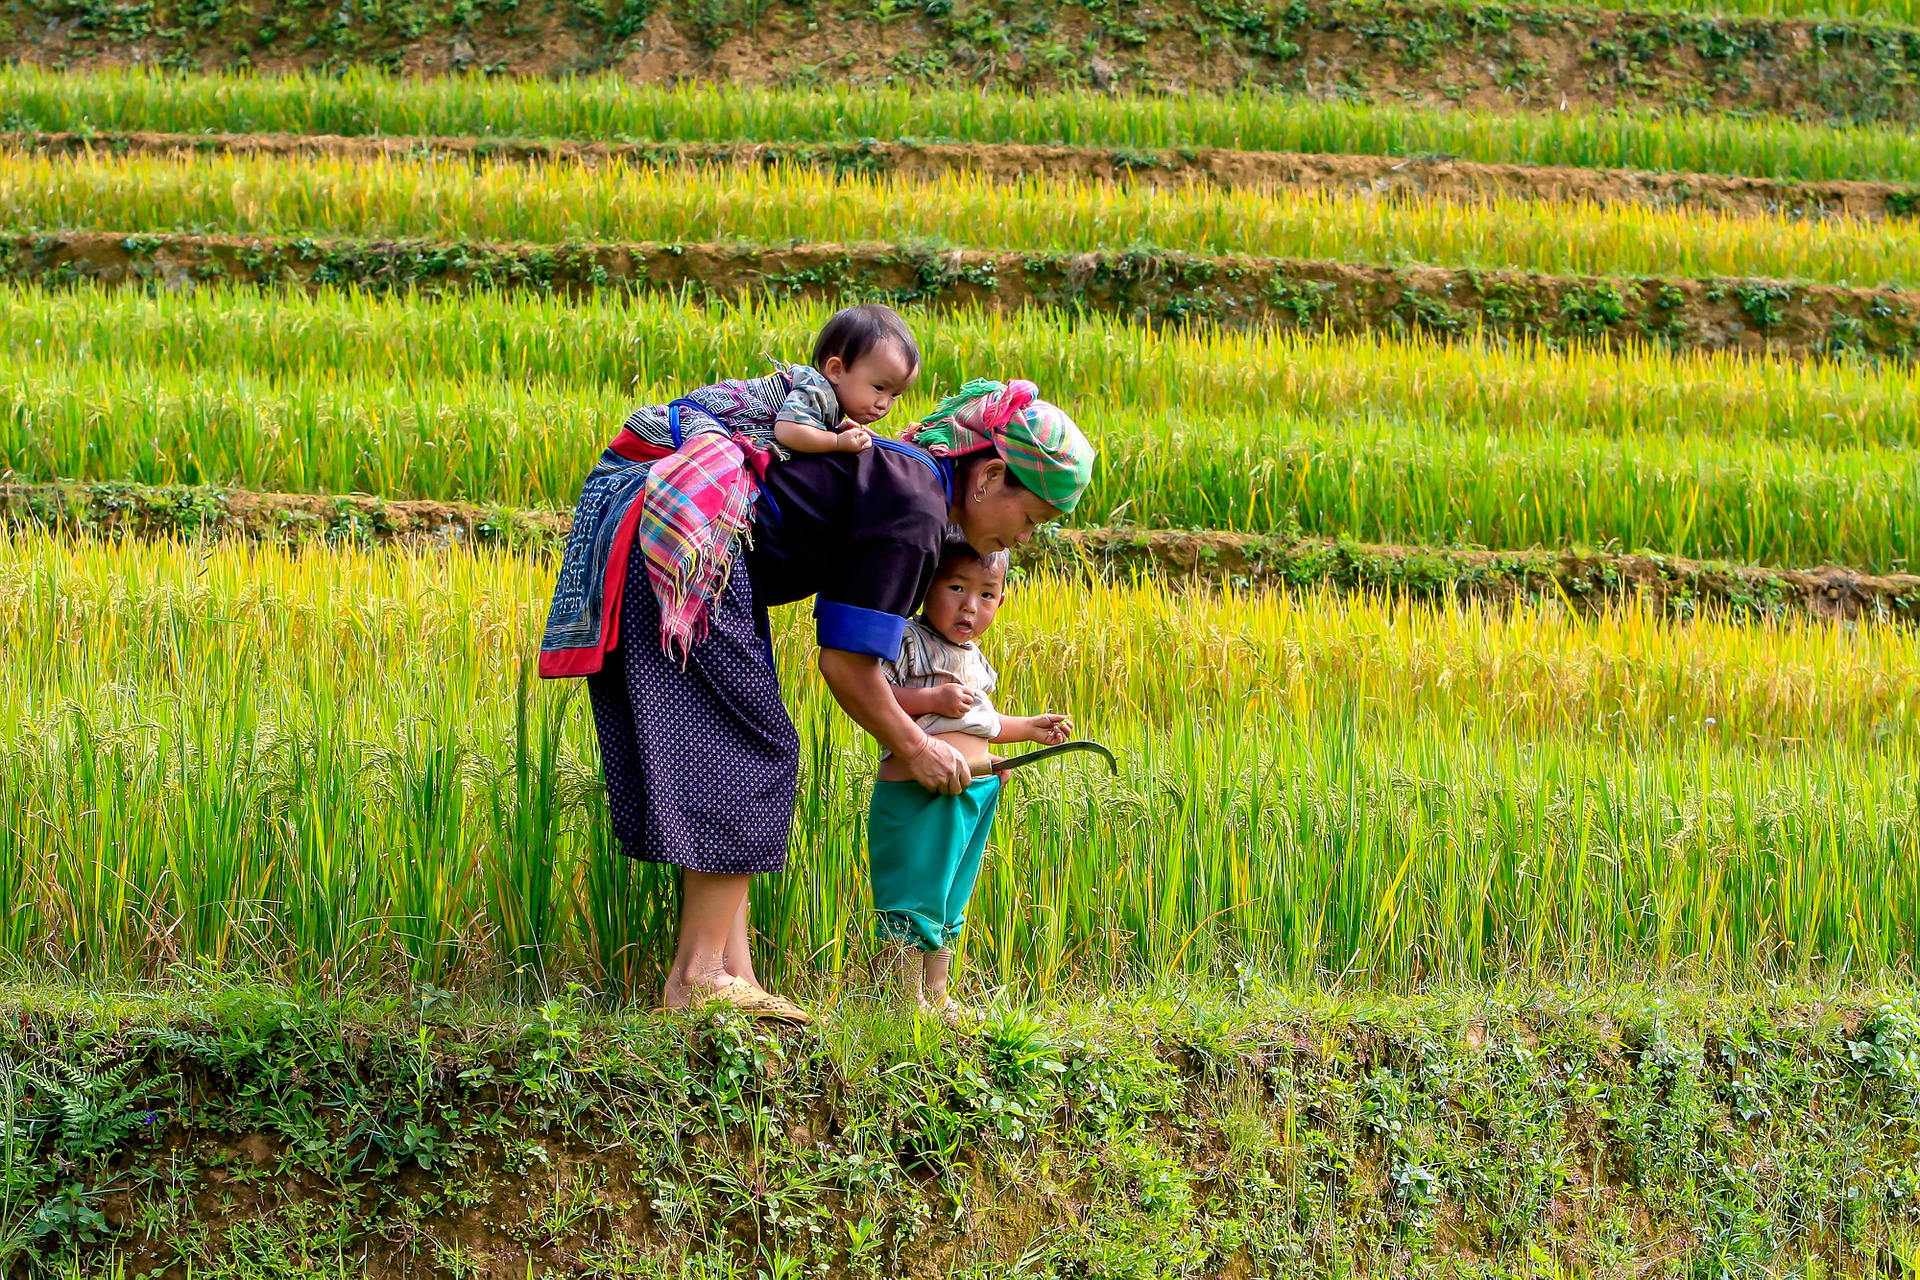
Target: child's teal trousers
[[924, 851]]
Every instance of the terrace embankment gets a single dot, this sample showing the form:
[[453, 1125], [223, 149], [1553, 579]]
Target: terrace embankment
[[1189, 1137], [1751, 315], [1389, 177], [1671, 585], [1442, 53]]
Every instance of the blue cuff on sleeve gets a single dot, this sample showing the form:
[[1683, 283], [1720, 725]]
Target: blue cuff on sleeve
[[857, 630]]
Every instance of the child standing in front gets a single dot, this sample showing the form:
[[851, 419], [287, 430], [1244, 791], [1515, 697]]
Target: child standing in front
[[923, 848]]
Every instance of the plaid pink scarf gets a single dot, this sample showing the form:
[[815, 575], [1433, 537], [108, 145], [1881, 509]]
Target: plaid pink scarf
[[695, 508]]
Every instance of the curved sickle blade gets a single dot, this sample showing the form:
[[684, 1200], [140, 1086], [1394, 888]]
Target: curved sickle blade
[[986, 767]]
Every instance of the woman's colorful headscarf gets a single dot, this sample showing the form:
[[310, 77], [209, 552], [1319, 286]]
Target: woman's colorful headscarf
[[1042, 447]]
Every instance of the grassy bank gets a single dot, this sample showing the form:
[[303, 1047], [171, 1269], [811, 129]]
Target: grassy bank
[[229, 756], [1752, 315], [359, 102], [240, 1130], [1431, 52]]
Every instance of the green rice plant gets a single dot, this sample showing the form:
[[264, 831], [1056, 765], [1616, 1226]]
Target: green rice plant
[[359, 101], [1417, 474], [526, 820], [570, 202], [1310, 785]]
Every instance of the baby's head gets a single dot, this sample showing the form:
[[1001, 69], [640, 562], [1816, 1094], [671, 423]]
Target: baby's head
[[870, 357], [966, 592]]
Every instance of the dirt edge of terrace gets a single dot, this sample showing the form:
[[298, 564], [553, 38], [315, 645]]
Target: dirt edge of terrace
[[1408, 178], [438, 1136], [1671, 585], [1747, 315], [1438, 53]]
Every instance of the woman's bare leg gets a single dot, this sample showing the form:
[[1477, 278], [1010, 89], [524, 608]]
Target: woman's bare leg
[[739, 948], [710, 908]]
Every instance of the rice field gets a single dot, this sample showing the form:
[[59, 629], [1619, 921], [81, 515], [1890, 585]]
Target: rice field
[[567, 202], [358, 102], [1515, 839], [499, 401], [333, 764], [1349, 474], [618, 345], [1363, 788]]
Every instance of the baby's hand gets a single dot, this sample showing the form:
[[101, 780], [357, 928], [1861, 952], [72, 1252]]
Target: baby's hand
[[854, 440], [953, 700], [1050, 730]]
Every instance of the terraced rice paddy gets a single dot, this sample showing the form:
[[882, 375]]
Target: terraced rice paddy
[[1386, 441], [1326, 785], [1402, 725], [607, 108]]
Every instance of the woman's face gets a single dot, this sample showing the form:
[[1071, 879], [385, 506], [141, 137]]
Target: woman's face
[[995, 515]]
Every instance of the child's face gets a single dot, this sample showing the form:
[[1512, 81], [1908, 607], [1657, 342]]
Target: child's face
[[868, 387], [963, 600]]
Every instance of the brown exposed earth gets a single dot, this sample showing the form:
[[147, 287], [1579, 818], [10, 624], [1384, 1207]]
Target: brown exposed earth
[[1746, 315], [1437, 53], [1583, 579], [1387, 177]]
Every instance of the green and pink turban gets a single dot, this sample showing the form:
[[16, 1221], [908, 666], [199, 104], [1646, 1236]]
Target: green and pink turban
[[1040, 444]]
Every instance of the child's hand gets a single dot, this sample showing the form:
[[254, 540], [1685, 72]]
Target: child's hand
[[854, 440], [953, 700], [1051, 730]]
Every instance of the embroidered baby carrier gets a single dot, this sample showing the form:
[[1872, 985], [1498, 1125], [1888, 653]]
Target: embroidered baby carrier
[[686, 507]]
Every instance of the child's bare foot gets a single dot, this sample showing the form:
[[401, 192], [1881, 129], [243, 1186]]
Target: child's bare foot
[[948, 1010]]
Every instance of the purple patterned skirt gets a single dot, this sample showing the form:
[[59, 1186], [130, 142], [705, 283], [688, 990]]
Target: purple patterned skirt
[[702, 763]]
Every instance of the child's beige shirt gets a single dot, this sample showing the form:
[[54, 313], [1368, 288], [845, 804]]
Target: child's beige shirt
[[927, 659]]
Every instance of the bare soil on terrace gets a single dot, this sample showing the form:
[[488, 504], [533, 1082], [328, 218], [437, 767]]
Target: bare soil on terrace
[[1407, 178]]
